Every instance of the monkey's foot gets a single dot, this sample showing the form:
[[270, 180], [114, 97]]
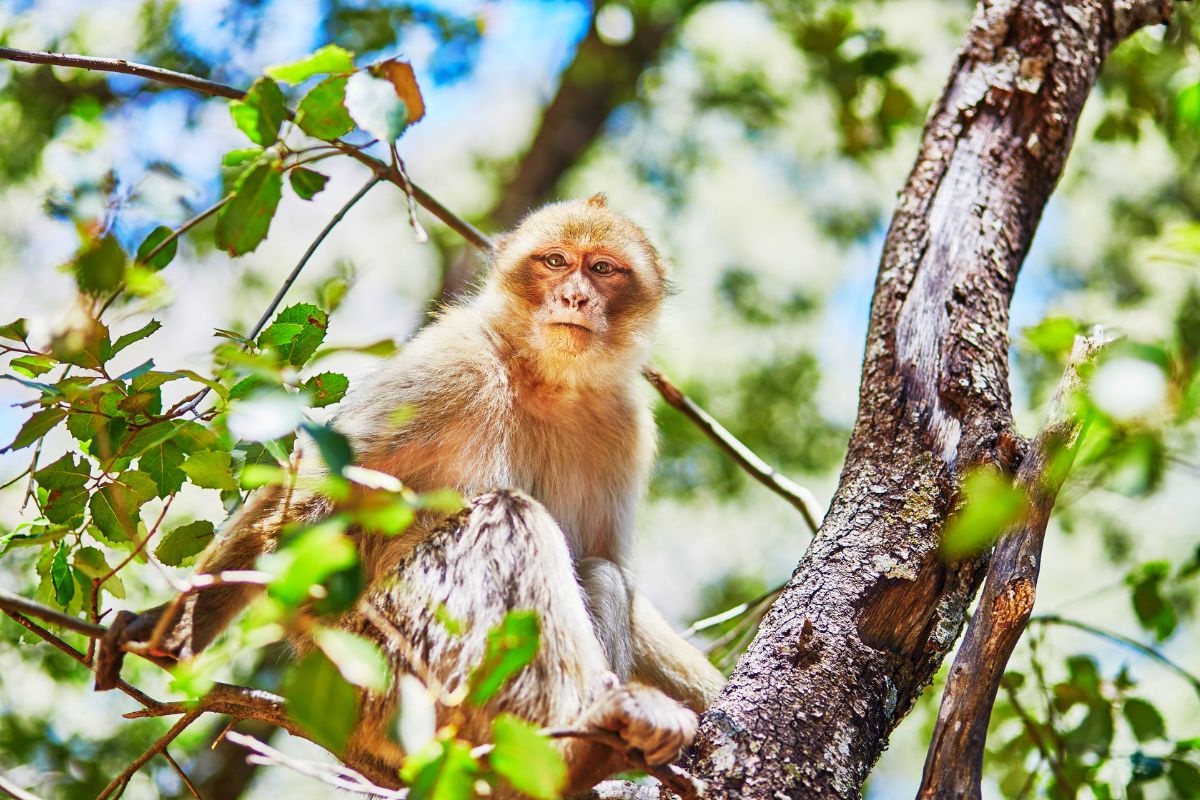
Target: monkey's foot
[[643, 719], [128, 628]]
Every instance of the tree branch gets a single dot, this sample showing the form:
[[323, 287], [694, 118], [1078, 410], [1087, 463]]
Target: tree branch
[[118, 783], [954, 764]]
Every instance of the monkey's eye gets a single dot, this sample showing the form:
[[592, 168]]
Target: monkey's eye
[[602, 267], [555, 260]]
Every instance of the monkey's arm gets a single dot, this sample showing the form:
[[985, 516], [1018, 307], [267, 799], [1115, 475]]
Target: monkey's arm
[[664, 659]]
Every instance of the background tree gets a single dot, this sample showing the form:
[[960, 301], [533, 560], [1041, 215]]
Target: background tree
[[764, 143]]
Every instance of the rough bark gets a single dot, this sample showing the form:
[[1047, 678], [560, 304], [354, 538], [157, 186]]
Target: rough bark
[[872, 610], [954, 765]]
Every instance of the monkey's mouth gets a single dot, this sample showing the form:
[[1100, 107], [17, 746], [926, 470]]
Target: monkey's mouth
[[576, 325]]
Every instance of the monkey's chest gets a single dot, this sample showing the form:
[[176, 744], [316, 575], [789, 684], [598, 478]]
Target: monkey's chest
[[582, 479]]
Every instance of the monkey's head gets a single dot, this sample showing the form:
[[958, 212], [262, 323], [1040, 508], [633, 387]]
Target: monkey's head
[[577, 286]]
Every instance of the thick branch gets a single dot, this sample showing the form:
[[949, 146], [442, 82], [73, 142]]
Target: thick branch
[[872, 610], [954, 765]]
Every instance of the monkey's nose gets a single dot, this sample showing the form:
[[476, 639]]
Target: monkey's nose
[[574, 300]]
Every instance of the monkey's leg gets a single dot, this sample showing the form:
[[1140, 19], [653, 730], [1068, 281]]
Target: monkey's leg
[[198, 617], [664, 659], [609, 603], [507, 554]]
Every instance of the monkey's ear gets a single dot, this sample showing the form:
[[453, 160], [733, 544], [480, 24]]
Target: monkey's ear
[[598, 200]]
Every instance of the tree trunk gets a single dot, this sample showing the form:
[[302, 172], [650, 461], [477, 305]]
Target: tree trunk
[[872, 610]]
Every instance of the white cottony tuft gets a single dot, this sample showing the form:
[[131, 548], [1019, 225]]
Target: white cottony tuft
[[268, 415], [615, 25], [1128, 388]]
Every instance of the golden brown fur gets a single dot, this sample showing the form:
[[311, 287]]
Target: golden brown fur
[[531, 387]]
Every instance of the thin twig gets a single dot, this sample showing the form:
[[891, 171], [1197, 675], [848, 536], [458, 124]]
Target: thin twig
[[169, 77], [97, 583], [1038, 742], [16, 603], [1124, 641], [801, 498], [10, 788], [292, 276], [182, 775], [338, 777], [118, 783]]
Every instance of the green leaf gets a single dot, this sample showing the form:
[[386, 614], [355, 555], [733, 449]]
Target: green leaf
[[1053, 336], [115, 508], [307, 559], [327, 388], [375, 106], [16, 330], [236, 158], [527, 759], [260, 113], [60, 574], [1144, 719], [296, 333], [90, 561], [307, 183], [244, 221], [127, 339], [210, 469], [329, 58], [443, 771], [1187, 105], [1154, 611], [151, 243], [137, 372], [101, 267], [991, 505], [511, 645], [183, 544], [360, 660], [322, 112], [37, 426], [32, 366], [321, 701], [334, 447], [65, 481]]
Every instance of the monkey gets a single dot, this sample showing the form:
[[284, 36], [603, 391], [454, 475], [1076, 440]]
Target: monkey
[[524, 398]]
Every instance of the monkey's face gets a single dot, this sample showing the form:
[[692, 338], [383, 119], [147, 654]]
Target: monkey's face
[[581, 281]]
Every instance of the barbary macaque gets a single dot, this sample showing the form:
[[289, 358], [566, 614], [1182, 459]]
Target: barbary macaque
[[526, 399]]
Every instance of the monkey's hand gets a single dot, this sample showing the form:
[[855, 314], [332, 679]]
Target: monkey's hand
[[644, 719], [128, 629]]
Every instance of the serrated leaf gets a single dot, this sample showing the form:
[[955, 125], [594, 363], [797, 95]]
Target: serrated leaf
[[326, 388], [307, 559], [16, 330], [127, 339], [32, 366], [1145, 721], [90, 561], [244, 221], [65, 482], [307, 183], [61, 576], [527, 759], [37, 426], [115, 508], [101, 267], [360, 660], [210, 469], [329, 58], [153, 252], [375, 106], [181, 546], [296, 333], [322, 112], [321, 701], [260, 113], [511, 645]]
